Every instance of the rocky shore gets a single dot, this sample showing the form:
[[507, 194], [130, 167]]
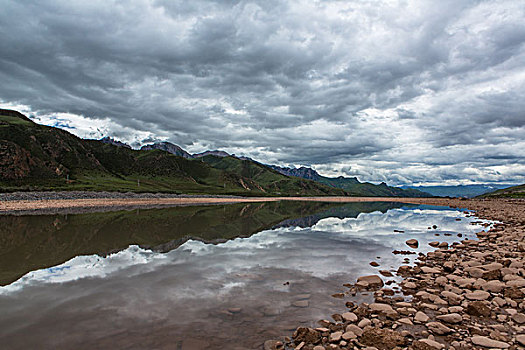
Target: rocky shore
[[469, 295]]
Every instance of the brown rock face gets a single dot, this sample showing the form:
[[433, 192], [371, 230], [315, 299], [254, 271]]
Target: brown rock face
[[383, 339], [308, 335], [15, 162]]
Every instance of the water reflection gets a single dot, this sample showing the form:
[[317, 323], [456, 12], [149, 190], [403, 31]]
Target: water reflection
[[28, 243], [230, 295]]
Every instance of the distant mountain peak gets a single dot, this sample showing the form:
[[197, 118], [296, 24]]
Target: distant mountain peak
[[168, 147], [216, 153], [303, 172], [112, 141]]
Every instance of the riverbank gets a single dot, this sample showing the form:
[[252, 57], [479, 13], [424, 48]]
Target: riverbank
[[24, 203], [469, 295]]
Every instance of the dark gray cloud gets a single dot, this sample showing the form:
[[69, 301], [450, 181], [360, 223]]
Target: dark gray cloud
[[408, 91]]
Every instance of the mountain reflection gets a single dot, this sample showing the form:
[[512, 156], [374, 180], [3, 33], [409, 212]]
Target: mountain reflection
[[29, 243]]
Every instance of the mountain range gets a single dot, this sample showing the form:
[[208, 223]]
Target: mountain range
[[468, 191], [38, 157]]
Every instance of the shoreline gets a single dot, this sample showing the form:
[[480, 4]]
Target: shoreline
[[36, 203], [469, 295]]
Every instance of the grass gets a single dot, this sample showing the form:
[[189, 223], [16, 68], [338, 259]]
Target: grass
[[6, 120]]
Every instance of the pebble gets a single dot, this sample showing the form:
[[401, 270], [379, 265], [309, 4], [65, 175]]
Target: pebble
[[350, 317], [421, 317], [450, 318], [477, 295]]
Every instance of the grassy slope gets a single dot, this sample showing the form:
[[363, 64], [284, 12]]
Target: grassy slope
[[37, 157], [268, 179], [356, 188], [510, 192]]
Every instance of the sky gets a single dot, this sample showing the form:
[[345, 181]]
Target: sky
[[406, 92]]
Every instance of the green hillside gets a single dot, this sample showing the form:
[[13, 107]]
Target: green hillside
[[38, 157], [509, 192], [268, 179], [355, 188]]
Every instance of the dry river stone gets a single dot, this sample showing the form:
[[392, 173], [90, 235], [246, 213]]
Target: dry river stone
[[521, 339], [450, 318], [477, 295], [489, 343], [378, 307], [336, 336], [421, 317], [349, 316], [438, 328]]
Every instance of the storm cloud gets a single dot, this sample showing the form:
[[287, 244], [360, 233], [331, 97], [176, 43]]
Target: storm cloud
[[397, 91]]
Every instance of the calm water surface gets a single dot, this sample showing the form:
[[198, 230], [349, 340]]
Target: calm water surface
[[219, 277]]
